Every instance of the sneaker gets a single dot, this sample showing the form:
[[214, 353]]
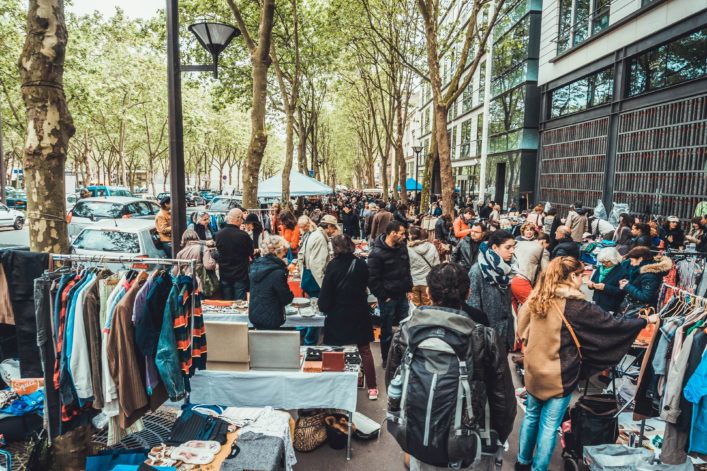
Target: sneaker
[[522, 467], [373, 394]]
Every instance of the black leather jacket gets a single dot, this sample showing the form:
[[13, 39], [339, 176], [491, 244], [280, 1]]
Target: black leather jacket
[[490, 366], [466, 252]]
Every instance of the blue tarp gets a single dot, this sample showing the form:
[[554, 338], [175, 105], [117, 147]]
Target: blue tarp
[[411, 185]]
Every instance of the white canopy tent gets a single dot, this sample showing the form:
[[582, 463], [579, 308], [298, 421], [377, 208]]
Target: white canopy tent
[[300, 185]]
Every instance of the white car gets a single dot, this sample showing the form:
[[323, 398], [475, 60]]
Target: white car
[[89, 210], [119, 238], [11, 218]]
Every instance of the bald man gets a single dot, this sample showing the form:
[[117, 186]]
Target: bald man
[[235, 251], [566, 247]]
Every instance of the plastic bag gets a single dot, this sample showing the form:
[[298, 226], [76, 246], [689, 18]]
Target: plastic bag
[[600, 210], [617, 210], [616, 457], [548, 207]]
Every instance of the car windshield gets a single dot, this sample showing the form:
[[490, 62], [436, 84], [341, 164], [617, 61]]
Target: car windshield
[[98, 209], [220, 204], [117, 192], [108, 241]]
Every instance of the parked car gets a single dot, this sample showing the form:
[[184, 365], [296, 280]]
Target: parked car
[[89, 210], [16, 199], [103, 190], [11, 217], [223, 204], [208, 195], [121, 237]]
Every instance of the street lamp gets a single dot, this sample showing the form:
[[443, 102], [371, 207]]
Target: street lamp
[[215, 37], [417, 150]]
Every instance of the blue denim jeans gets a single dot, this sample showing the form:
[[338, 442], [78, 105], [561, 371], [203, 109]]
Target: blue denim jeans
[[233, 290], [539, 430], [311, 336], [392, 312]]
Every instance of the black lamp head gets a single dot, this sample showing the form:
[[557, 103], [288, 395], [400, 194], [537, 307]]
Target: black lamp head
[[214, 37]]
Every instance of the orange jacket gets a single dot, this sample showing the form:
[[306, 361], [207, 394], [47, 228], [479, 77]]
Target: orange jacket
[[461, 228], [291, 236]]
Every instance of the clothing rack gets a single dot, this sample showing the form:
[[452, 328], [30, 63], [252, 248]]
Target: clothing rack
[[134, 259], [699, 299]]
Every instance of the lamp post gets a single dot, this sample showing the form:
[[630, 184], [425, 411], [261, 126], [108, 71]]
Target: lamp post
[[417, 150], [214, 37]]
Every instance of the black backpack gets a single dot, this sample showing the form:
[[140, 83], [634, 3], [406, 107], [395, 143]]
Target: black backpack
[[437, 421]]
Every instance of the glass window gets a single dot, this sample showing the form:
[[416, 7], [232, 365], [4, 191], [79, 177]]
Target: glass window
[[465, 138], [107, 241], [580, 19], [512, 48], [454, 143], [479, 132], [565, 26], [506, 112], [594, 90], [682, 59], [98, 209]]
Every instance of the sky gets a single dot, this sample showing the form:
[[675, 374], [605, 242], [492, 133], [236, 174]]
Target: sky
[[132, 8]]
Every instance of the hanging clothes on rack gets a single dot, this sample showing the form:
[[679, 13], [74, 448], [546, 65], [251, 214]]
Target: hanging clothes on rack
[[104, 333]]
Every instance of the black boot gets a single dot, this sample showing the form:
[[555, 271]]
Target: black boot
[[523, 467]]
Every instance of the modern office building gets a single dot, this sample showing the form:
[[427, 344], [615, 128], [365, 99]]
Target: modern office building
[[493, 126], [624, 104]]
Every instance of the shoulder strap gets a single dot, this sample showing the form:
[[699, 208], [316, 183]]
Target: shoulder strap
[[346, 276], [574, 336]]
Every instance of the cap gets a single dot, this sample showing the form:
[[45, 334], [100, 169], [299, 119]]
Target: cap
[[673, 219], [328, 219]]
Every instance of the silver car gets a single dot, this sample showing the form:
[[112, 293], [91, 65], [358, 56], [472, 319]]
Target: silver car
[[119, 238], [88, 210]]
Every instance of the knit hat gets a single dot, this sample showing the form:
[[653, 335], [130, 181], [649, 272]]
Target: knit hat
[[673, 219]]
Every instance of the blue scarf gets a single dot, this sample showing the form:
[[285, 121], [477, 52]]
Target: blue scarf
[[493, 268]]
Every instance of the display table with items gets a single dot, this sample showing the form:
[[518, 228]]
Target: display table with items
[[205, 438], [301, 313], [271, 369]]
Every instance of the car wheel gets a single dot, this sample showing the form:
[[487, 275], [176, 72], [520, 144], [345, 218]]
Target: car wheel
[[19, 224]]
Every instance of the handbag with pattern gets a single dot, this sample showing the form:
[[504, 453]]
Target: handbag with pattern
[[310, 430]]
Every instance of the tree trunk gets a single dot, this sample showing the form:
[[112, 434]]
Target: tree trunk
[[302, 145], [445, 161], [430, 159], [49, 125], [289, 155], [260, 58]]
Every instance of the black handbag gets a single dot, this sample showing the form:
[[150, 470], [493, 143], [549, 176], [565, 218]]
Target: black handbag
[[594, 422]]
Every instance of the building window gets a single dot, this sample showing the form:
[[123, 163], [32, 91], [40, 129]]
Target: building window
[[453, 143], [479, 132], [465, 139], [681, 60], [580, 19], [482, 81], [580, 95]]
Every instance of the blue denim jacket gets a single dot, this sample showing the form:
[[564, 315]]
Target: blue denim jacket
[[167, 359]]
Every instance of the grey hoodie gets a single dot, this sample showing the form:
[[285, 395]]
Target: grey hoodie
[[423, 256]]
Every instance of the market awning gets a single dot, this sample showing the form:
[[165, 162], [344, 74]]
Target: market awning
[[411, 185], [300, 185]]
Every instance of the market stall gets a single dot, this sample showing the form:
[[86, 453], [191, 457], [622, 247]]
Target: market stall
[[300, 185]]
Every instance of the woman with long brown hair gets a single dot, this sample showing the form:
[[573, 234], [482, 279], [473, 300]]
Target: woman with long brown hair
[[566, 338]]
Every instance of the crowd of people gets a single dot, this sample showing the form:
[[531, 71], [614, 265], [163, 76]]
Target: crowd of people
[[517, 278]]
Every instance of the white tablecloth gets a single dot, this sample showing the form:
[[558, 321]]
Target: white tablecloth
[[278, 389], [239, 316]]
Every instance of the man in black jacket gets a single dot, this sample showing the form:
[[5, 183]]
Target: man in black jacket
[[466, 253], [390, 280], [235, 251], [349, 219], [566, 246]]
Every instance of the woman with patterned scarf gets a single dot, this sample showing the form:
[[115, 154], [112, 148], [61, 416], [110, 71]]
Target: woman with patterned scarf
[[491, 284]]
